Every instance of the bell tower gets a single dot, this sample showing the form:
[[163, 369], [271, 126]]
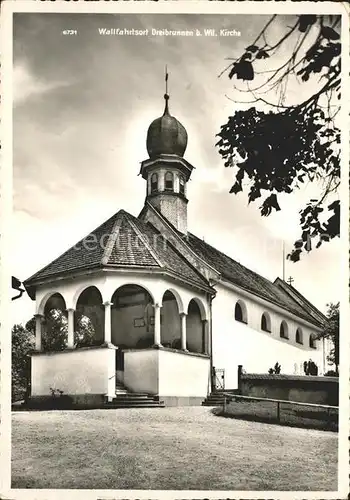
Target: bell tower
[[166, 171]]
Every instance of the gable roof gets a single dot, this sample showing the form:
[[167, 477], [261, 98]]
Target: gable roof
[[122, 241], [296, 295], [239, 275]]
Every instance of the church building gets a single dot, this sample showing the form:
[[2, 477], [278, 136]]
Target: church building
[[171, 316]]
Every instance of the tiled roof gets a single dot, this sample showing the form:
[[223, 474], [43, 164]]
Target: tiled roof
[[298, 297], [122, 241], [239, 275], [129, 249]]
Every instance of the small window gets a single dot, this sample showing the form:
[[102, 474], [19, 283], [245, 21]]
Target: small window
[[312, 342], [266, 323], [169, 181], [154, 183], [241, 312], [299, 336], [284, 330], [182, 185]]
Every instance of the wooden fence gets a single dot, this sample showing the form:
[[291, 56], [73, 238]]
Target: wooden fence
[[279, 411]]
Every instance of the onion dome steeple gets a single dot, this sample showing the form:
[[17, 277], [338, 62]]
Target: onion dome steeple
[[166, 170], [166, 135]]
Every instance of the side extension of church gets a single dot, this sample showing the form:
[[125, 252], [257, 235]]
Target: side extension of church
[[168, 312]]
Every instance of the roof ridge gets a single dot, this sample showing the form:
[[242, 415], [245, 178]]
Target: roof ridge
[[112, 238], [144, 241], [182, 239], [292, 289], [189, 264]]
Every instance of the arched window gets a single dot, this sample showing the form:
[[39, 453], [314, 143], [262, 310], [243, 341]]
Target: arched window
[[154, 183], [312, 342], [169, 181], [299, 336], [284, 330], [181, 185], [241, 312], [266, 323]]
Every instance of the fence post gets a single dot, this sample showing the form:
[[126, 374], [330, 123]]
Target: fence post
[[239, 378], [213, 387], [278, 411], [224, 405], [328, 424]]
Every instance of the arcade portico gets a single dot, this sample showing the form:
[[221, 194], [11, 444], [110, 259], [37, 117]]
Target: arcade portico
[[133, 316]]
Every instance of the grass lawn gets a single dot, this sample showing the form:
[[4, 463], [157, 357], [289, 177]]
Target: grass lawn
[[170, 448]]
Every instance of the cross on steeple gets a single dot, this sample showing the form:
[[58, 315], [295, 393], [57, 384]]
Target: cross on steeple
[[166, 95], [166, 79], [290, 280]]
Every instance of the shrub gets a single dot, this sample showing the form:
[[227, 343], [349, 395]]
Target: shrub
[[276, 369]]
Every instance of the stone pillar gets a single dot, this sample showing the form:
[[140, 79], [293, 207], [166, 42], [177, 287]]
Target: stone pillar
[[205, 330], [38, 330], [183, 317], [161, 180], [157, 339], [108, 322], [70, 343], [239, 378], [176, 183]]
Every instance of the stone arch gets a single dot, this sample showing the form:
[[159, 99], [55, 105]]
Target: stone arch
[[89, 317], [170, 322], [177, 297], [134, 284], [241, 313], [55, 324], [196, 330], [132, 316], [46, 298], [154, 180], [169, 181], [81, 290], [55, 301], [266, 322], [284, 334], [299, 336], [201, 306]]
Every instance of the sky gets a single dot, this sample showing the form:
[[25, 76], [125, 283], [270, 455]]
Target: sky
[[82, 107]]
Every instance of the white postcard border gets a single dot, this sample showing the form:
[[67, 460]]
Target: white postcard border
[[165, 7]]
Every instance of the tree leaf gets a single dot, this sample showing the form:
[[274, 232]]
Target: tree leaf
[[245, 71], [236, 188], [252, 48], [262, 54], [305, 21], [232, 72], [329, 33]]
